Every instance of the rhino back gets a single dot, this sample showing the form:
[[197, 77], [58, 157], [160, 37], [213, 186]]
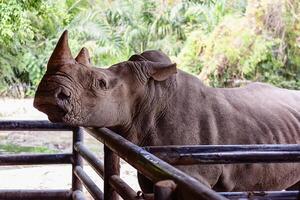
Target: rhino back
[[255, 114], [258, 114]]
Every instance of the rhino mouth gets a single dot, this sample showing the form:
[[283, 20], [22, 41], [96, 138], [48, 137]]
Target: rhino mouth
[[68, 112], [55, 113], [54, 100], [59, 103]]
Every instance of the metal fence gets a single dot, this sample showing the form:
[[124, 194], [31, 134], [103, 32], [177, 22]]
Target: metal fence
[[171, 183]]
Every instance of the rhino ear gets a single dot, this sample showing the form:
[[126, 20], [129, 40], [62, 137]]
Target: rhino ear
[[137, 57], [160, 71], [61, 54], [83, 57]]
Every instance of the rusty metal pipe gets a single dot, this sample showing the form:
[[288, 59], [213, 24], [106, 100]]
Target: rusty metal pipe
[[36, 159], [35, 194], [153, 167], [29, 125], [78, 195], [123, 189], [89, 184], [260, 195], [222, 148], [111, 167], [77, 160], [230, 157], [225, 154], [96, 163], [165, 190]]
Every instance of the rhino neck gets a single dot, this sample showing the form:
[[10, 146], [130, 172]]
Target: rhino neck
[[156, 113], [181, 113], [148, 110]]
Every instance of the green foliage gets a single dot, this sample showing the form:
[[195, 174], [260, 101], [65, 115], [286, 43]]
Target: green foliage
[[115, 30], [28, 32], [189, 56], [13, 148], [258, 46], [14, 26], [234, 51], [222, 41]]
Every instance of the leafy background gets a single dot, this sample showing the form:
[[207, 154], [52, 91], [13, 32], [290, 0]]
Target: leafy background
[[227, 43]]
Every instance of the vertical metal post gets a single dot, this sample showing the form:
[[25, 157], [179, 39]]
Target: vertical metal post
[[164, 190], [111, 167], [77, 160]]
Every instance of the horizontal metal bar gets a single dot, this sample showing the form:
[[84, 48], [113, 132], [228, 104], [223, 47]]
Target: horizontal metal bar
[[183, 149], [229, 157], [153, 167], [268, 195], [35, 159], [122, 188], [35, 194], [95, 162], [227, 154], [78, 195], [89, 184], [29, 125]]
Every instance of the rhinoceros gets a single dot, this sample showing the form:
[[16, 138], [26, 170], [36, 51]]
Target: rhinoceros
[[150, 102]]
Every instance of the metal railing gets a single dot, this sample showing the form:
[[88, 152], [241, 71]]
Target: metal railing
[[170, 183], [41, 159], [234, 154], [149, 165]]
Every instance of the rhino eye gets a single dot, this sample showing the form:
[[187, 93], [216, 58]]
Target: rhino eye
[[102, 84]]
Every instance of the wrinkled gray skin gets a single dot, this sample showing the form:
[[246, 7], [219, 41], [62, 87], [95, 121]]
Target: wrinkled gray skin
[[146, 101]]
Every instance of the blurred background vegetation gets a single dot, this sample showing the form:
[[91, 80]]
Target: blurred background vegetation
[[225, 42]]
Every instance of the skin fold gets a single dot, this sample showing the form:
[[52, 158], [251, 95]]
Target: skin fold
[[150, 102]]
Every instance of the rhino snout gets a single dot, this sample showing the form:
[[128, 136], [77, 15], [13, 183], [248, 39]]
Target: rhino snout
[[62, 95], [55, 105]]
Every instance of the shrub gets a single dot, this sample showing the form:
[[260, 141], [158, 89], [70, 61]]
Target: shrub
[[260, 45]]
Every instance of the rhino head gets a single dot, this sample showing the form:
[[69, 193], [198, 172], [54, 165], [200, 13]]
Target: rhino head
[[74, 92]]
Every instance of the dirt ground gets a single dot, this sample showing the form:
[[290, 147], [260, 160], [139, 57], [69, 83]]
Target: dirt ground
[[49, 176]]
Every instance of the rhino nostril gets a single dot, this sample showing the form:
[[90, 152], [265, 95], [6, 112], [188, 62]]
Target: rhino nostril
[[62, 96]]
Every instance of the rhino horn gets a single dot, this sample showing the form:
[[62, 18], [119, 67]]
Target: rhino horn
[[83, 57], [62, 53]]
